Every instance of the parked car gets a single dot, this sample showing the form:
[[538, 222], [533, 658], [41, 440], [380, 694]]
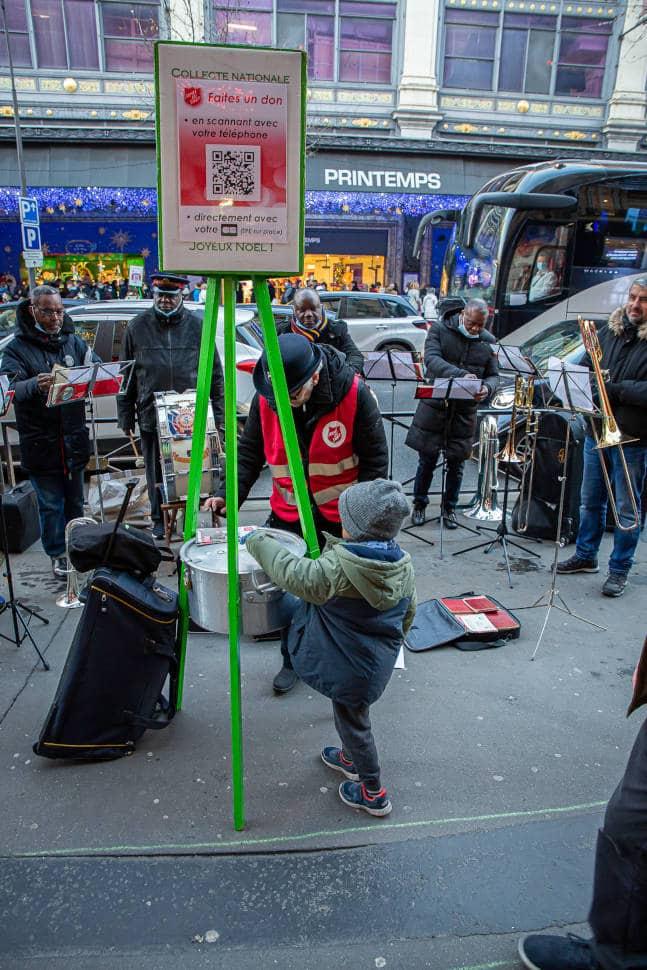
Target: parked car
[[376, 321]]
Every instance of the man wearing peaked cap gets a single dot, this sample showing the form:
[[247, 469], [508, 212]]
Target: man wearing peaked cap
[[164, 342], [340, 434]]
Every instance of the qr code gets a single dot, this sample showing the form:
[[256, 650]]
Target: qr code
[[233, 173]]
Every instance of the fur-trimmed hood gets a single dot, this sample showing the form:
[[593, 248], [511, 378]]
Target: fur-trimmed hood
[[617, 324]]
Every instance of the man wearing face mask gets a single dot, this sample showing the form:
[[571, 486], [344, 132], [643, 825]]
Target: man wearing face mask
[[340, 434], [311, 320], [164, 342], [54, 442], [457, 345], [544, 280]]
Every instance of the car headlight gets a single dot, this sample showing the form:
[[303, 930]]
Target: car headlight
[[503, 398]]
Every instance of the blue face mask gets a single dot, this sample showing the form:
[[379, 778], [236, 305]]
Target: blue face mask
[[470, 336]]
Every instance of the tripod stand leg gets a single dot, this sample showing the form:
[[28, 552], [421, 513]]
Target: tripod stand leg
[[504, 546]]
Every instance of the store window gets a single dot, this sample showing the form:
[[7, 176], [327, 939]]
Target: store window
[[65, 34], [366, 38], [527, 53], [243, 22], [18, 36], [582, 57], [346, 40], [539, 53], [309, 25], [129, 30]]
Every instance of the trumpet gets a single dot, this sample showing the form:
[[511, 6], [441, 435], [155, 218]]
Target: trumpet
[[485, 506], [531, 433], [524, 391], [610, 435], [69, 600]]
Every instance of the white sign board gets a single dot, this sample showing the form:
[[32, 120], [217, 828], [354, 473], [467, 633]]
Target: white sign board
[[33, 259], [230, 154], [135, 276]]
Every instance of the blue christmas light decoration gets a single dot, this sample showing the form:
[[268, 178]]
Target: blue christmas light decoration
[[65, 202]]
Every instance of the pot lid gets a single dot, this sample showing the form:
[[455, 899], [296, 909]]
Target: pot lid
[[211, 556]]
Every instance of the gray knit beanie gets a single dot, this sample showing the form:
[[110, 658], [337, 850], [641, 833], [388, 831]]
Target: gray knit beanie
[[373, 510]]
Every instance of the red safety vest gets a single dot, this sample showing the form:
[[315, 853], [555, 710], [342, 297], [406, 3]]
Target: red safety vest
[[332, 462]]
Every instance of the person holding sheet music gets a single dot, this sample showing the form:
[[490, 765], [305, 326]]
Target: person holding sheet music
[[54, 441], [457, 345]]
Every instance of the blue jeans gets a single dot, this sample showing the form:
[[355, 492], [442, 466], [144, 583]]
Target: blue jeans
[[594, 500], [60, 498]]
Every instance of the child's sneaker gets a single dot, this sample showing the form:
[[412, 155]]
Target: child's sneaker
[[356, 795], [334, 758]]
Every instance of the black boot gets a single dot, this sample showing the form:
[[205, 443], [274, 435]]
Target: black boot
[[284, 680]]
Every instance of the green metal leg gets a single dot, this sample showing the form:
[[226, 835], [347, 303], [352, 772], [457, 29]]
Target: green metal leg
[[205, 369], [233, 586], [286, 417]]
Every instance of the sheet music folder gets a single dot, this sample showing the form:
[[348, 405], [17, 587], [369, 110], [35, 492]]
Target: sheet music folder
[[77, 383], [391, 365]]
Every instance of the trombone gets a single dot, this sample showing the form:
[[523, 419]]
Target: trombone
[[610, 435]]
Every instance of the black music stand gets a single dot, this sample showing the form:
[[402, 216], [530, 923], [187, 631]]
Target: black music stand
[[563, 387], [393, 366], [502, 531], [447, 389], [19, 611]]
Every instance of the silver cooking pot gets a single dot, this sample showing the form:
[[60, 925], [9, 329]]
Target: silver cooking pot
[[263, 606]]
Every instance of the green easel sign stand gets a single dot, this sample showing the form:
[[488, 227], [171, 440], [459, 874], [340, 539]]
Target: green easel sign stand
[[207, 220]]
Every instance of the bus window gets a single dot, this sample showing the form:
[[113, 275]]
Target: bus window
[[537, 266], [474, 276]]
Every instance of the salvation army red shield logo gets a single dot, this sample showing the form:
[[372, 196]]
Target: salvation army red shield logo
[[193, 96], [334, 434]]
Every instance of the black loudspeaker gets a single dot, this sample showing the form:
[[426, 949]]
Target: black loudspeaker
[[21, 517]]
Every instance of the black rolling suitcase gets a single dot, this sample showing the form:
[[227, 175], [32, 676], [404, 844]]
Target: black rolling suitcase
[[21, 517], [123, 651]]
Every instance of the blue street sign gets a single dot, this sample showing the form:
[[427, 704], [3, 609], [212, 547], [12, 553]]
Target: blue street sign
[[28, 211], [31, 238]]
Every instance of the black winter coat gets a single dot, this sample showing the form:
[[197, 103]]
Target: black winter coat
[[166, 355], [624, 355], [52, 440], [335, 335], [335, 379], [449, 354]]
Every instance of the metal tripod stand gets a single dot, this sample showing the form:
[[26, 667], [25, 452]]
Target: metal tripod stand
[[21, 631], [548, 597]]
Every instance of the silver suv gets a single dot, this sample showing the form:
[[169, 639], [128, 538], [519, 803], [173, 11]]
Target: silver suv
[[378, 321]]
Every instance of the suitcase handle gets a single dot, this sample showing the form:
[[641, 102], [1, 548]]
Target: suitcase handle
[[131, 484]]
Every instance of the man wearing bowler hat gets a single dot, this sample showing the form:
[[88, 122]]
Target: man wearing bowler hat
[[340, 434], [164, 342]]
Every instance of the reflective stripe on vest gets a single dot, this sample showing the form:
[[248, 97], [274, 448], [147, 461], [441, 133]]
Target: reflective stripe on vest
[[332, 463]]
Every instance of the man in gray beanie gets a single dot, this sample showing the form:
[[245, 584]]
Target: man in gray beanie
[[355, 604]]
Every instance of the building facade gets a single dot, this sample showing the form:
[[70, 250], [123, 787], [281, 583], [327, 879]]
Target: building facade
[[412, 105]]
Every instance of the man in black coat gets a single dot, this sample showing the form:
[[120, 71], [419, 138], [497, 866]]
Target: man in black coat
[[457, 345], [311, 320], [164, 342], [54, 442], [623, 341]]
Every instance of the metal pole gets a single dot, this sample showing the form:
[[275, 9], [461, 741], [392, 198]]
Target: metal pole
[[205, 370], [19, 152], [284, 410], [233, 585]]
